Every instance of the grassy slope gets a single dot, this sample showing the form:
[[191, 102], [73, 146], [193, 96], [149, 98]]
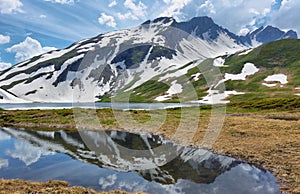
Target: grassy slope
[[271, 58], [153, 88]]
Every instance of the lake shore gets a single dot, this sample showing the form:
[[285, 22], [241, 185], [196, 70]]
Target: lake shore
[[262, 138], [20, 186]]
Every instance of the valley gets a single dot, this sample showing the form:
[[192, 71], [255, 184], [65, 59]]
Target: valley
[[207, 89]]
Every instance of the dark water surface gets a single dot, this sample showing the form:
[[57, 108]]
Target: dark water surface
[[119, 160]]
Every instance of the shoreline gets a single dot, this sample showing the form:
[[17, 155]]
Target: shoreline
[[51, 186], [270, 141]]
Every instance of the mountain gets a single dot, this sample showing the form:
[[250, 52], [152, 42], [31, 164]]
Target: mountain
[[267, 34], [145, 63]]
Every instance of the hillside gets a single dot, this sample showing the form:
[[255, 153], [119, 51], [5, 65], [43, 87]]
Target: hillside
[[278, 75], [271, 70], [161, 60]]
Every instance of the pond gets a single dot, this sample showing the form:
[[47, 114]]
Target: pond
[[104, 161]]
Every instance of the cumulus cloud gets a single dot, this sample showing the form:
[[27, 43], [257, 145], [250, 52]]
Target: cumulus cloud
[[239, 16], [10, 6], [112, 4], [4, 39], [175, 7], [107, 20], [61, 1], [126, 16], [28, 48], [136, 10], [43, 16], [4, 66], [208, 6], [287, 16]]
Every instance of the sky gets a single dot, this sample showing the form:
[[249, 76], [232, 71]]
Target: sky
[[32, 27]]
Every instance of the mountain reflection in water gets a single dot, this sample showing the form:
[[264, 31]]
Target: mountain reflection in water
[[110, 160]]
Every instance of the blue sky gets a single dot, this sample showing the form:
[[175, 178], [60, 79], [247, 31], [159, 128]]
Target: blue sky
[[31, 27]]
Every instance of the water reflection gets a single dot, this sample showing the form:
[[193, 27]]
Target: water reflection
[[42, 155]]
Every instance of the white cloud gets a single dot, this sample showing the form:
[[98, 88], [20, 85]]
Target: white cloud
[[135, 11], [174, 7], [244, 31], [107, 20], [208, 6], [253, 11], [4, 39], [138, 9], [127, 15], [43, 16], [10, 6], [28, 48], [236, 15], [62, 1], [287, 16], [4, 66], [112, 4]]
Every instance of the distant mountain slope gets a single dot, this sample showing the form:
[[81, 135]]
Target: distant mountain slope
[[131, 62], [267, 34], [278, 75], [268, 71]]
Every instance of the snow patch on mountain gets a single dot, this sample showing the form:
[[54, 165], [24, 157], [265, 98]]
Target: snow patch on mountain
[[269, 85], [6, 97], [175, 88], [196, 76], [248, 69], [245, 52], [219, 62], [277, 78], [178, 73], [217, 97]]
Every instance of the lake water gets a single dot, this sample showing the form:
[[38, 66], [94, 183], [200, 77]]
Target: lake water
[[124, 106], [103, 161]]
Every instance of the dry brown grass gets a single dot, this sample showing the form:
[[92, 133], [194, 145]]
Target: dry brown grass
[[51, 187], [271, 143], [266, 139]]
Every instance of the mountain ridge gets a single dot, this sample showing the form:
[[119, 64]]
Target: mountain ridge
[[124, 60], [244, 39]]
